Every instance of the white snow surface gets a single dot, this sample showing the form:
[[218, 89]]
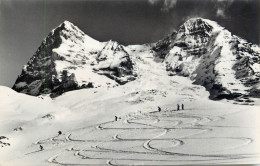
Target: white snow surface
[[205, 132]]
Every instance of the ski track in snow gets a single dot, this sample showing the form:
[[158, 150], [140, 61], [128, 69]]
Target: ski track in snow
[[105, 137]]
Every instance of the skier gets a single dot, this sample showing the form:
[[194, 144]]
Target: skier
[[159, 109], [115, 118], [59, 132], [182, 106], [41, 147], [178, 107]]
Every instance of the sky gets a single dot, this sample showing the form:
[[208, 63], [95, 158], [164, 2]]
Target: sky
[[25, 23]]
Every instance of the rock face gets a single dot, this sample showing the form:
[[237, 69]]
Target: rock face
[[225, 64], [68, 59], [115, 62]]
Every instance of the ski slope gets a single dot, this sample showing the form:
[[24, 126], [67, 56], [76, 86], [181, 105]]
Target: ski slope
[[205, 132]]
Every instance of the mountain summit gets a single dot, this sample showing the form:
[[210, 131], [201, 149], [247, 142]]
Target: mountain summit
[[225, 64], [67, 60], [209, 54]]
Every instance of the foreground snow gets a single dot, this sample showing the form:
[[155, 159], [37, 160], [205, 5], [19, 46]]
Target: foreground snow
[[206, 132]]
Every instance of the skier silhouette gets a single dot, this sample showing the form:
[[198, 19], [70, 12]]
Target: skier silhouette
[[182, 106], [41, 147], [178, 107], [115, 118], [159, 109], [59, 132]]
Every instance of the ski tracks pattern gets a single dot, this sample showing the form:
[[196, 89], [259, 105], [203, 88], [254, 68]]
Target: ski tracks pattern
[[150, 138]]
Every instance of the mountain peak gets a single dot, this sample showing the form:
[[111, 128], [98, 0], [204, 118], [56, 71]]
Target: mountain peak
[[69, 27], [195, 19], [195, 25], [199, 22], [67, 22]]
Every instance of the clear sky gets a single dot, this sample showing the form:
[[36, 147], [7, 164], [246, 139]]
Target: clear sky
[[22, 27]]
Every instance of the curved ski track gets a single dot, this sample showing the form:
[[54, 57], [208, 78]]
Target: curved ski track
[[139, 139]]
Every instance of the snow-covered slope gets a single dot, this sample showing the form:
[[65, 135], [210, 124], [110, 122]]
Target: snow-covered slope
[[68, 59], [205, 132], [225, 64]]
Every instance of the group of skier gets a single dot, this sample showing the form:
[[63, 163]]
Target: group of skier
[[178, 107], [59, 133]]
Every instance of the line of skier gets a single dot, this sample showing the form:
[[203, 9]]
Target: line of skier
[[159, 110]]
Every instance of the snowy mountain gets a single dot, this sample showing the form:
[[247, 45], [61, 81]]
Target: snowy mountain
[[211, 56], [68, 59], [115, 62]]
